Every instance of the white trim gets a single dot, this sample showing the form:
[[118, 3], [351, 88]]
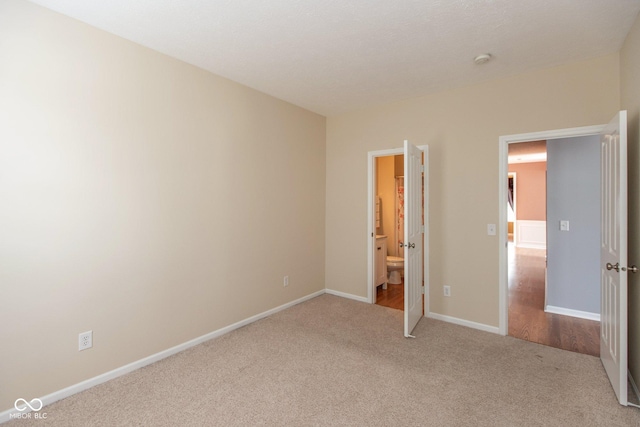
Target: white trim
[[426, 229], [462, 322], [503, 170], [371, 219], [530, 234], [346, 295], [91, 382], [573, 313]]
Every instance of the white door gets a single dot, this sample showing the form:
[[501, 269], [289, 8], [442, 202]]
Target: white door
[[413, 249], [613, 248]]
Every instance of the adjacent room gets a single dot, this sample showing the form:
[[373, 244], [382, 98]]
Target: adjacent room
[[554, 291], [189, 223]]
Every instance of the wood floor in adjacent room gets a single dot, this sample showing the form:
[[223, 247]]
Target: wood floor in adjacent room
[[392, 297], [527, 318]]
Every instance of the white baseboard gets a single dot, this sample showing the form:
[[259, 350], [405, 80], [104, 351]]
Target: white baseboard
[[573, 313], [346, 295], [462, 322], [84, 385]]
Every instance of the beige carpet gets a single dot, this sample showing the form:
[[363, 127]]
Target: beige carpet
[[333, 361]]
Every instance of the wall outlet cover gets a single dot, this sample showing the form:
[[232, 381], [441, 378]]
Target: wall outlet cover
[[85, 340]]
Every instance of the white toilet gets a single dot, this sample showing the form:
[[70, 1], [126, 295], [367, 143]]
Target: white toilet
[[395, 266]]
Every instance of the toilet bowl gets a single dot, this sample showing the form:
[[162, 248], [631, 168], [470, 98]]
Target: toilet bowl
[[395, 266]]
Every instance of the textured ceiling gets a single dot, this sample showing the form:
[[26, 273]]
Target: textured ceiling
[[333, 56]]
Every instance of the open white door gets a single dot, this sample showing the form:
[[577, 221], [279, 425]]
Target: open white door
[[613, 258], [413, 240]]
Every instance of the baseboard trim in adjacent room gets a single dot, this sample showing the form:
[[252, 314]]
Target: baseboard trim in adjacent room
[[118, 372], [462, 322], [531, 234], [573, 313], [346, 295]]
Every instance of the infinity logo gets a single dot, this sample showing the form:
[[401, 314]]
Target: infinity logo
[[36, 407]]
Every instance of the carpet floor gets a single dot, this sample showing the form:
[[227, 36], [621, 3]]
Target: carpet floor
[[334, 361]]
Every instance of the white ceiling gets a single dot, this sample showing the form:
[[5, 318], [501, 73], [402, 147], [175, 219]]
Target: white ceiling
[[332, 56]]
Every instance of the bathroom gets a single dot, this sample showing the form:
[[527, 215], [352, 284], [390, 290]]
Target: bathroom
[[390, 230]]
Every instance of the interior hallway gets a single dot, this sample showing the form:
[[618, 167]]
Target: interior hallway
[[527, 318]]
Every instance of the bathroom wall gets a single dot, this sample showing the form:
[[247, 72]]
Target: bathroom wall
[[386, 191], [142, 198], [399, 164]]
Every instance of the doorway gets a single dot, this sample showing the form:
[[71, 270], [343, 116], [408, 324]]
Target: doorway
[[539, 298], [555, 303], [389, 261], [415, 238]]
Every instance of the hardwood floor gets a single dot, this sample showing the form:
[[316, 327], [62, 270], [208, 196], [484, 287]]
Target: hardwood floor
[[527, 318], [392, 297]]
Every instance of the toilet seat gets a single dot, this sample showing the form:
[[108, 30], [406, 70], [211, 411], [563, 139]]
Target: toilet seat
[[395, 261]]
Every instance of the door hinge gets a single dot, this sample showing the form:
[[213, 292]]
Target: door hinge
[[422, 168], [423, 290], [422, 229]]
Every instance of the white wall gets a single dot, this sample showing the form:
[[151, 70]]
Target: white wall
[[462, 127], [142, 198], [573, 194]]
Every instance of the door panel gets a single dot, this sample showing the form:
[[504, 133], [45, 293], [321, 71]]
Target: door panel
[[413, 237], [613, 254]]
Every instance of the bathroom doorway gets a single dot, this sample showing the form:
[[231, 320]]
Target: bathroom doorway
[[389, 262], [416, 232]]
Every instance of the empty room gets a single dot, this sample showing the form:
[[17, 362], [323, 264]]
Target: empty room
[[192, 231]]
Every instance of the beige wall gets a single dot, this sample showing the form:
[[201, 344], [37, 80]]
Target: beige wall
[[630, 101], [531, 190], [462, 127], [142, 198]]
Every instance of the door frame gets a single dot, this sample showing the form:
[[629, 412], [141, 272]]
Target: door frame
[[503, 173], [371, 221]]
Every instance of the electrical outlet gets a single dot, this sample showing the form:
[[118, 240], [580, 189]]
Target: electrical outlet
[[286, 281], [85, 340], [447, 291]]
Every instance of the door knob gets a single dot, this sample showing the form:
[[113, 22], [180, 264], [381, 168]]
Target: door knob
[[615, 266], [412, 245], [632, 269]]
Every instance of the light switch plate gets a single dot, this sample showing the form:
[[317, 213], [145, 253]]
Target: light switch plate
[[491, 229], [564, 225]]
